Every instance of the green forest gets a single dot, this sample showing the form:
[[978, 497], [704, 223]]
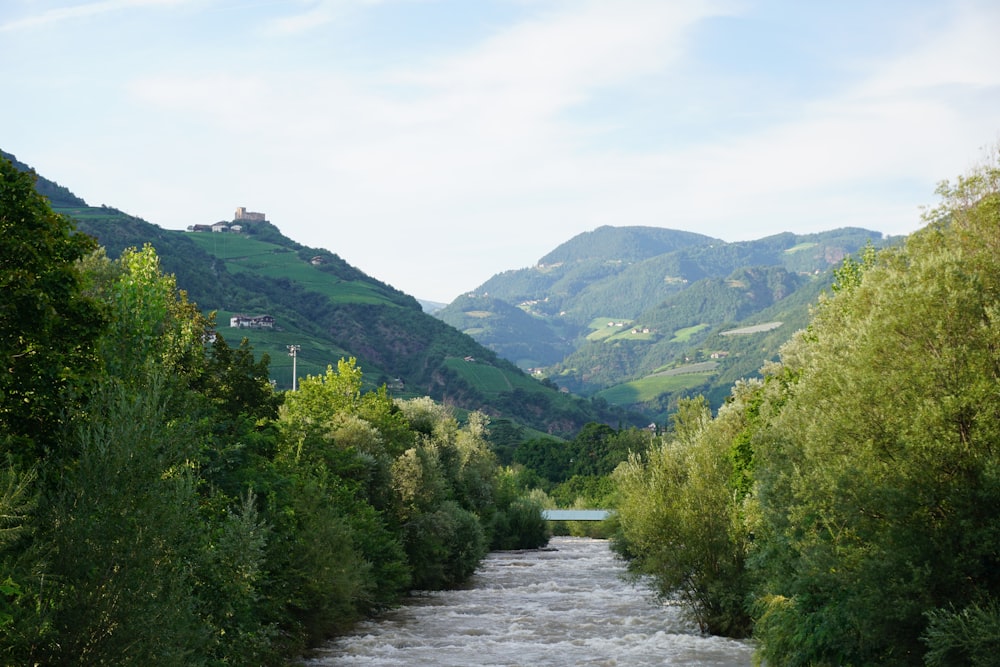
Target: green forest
[[162, 504], [842, 510]]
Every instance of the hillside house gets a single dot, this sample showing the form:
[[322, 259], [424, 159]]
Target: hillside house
[[220, 227], [251, 322]]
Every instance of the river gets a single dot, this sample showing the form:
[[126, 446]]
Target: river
[[566, 605]]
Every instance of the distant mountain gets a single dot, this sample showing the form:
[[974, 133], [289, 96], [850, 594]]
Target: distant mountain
[[332, 310], [431, 306], [623, 244], [511, 332], [639, 316]]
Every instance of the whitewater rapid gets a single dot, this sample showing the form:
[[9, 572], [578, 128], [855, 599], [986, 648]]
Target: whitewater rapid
[[566, 605]]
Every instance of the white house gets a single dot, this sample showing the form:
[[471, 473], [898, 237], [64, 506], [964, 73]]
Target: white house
[[254, 322]]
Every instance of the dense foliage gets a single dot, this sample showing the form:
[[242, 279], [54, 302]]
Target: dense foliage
[[161, 504], [575, 473], [844, 506]]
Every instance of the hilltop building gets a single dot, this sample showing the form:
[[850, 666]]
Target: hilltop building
[[248, 216]]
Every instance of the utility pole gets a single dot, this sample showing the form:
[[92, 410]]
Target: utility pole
[[293, 351]]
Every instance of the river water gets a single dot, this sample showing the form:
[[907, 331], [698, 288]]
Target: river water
[[566, 605]]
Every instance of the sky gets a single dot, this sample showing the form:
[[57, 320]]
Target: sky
[[435, 143]]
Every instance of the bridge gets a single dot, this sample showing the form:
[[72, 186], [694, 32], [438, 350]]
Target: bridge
[[575, 515]]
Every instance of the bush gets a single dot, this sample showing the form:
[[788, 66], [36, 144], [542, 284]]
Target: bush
[[444, 546], [967, 637], [519, 526]]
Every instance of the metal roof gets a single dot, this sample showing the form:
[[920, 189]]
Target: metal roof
[[575, 515]]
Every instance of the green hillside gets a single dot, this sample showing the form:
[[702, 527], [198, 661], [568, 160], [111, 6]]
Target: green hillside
[[669, 295], [331, 311], [514, 332], [244, 254]]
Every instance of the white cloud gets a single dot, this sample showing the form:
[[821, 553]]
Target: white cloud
[[87, 9], [437, 172], [314, 14]]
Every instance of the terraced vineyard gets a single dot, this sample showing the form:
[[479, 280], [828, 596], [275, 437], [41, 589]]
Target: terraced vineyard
[[243, 254]]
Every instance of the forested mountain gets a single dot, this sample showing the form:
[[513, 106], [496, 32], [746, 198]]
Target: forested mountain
[[332, 311], [625, 244], [639, 316]]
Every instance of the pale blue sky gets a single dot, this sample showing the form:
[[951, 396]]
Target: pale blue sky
[[433, 143]]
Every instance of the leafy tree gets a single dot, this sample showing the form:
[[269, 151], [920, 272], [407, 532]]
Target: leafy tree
[[875, 476], [590, 449], [114, 546], [548, 457], [317, 571], [445, 485], [152, 324], [237, 383], [517, 522], [48, 328], [338, 557], [681, 522], [16, 505], [970, 636]]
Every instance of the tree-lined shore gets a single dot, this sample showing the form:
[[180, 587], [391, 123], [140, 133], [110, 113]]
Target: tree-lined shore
[[842, 510], [161, 504]]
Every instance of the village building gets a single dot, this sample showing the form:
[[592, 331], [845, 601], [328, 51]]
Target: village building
[[251, 322]]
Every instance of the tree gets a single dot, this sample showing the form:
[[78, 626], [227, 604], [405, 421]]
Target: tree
[[117, 545], [48, 329], [682, 522], [875, 477], [153, 327], [238, 384]]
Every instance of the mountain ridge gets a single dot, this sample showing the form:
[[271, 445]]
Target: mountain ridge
[[333, 310], [672, 307]]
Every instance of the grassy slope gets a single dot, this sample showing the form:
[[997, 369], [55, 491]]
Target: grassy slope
[[243, 254]]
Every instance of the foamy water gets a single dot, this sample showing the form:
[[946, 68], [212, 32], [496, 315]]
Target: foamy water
[[564, 606]]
